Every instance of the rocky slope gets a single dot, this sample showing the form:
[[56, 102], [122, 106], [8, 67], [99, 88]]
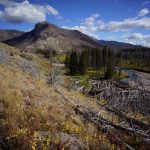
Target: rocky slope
[[9, 34], [46, 36]]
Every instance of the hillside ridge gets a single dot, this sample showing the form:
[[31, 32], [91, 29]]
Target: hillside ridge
[[46, 36]]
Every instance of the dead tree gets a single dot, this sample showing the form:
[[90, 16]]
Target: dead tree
[[136, 97], [52, 77]]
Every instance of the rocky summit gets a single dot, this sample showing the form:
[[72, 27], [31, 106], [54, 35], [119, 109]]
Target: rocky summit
[[46, 36]]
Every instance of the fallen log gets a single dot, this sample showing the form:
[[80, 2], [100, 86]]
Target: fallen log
[[129, 119], [103, 129], [100, 120]]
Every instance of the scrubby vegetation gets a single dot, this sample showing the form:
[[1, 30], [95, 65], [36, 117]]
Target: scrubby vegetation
[[61, 57], [35, 115], [46, 53]]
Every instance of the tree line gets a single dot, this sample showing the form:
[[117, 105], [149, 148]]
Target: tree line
[[100, 59], [138, 59], [105, 59]]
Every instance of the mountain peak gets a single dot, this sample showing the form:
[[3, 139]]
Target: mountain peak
[[47, 36], [43, 25]]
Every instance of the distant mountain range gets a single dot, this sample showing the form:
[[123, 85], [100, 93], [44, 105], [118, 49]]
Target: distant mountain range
[[118, 45], [9, 34], [46, 36]]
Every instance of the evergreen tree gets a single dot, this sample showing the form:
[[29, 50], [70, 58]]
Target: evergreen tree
[[105, 58], [110, 64], [67, 61], [73, 63], [83, 62]]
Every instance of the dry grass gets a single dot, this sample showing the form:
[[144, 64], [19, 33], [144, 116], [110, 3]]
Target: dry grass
[[11, 109], [29, 107], [32, 106]]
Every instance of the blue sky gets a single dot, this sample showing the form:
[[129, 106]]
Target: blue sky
[[121, 20]]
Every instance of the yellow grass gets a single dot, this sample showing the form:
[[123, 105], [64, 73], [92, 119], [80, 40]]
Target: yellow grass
[[28, 106]]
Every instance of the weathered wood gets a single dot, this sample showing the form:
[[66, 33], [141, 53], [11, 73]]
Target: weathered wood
[[129, 119], [102, 128], [105, 125], [138, 99], [52, 77]]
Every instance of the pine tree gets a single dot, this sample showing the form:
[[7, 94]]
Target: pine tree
[[73, 63], [110, 64], [83, 62], [67, 61]]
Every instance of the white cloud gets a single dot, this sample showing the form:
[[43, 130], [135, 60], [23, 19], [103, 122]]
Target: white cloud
[[93, 25], [112, 38], [52, 10], [137, 38], [82, 29], [126, 24], [87, 26], [90, 21], [143, 12], [25, 12]]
